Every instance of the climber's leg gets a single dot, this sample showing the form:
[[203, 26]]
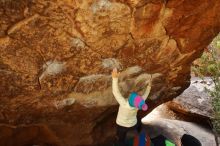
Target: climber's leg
[[121, 135]]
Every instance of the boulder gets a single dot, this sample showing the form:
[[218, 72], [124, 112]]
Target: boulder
[[175, 129], [56, 59], [195, 100]]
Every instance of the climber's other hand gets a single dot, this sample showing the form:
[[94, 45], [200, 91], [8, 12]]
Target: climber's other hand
[[149, 82]]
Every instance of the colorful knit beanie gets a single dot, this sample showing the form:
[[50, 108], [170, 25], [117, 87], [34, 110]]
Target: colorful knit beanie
[[137, 101]]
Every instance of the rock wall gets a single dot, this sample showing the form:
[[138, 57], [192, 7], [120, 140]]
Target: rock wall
[[56, 58]]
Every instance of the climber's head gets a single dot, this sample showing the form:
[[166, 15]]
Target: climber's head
[[188, 140], [137, 101]]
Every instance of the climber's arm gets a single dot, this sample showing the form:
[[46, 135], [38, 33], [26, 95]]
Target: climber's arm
[[147, 91], [115, 88]]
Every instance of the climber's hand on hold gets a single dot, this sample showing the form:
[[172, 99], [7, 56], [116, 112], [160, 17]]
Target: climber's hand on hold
[[149, 82], [115, 73], [151, 79]]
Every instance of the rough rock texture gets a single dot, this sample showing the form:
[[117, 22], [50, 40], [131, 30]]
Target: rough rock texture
[[195, 100], [56, 58]]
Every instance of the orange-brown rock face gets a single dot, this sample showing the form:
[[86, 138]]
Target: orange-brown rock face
[[56, 58]]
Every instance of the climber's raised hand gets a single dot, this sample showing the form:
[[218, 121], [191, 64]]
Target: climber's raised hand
[[115, 73], [150, 81]]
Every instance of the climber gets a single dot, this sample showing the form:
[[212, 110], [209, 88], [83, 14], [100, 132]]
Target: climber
[[127, 113]]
